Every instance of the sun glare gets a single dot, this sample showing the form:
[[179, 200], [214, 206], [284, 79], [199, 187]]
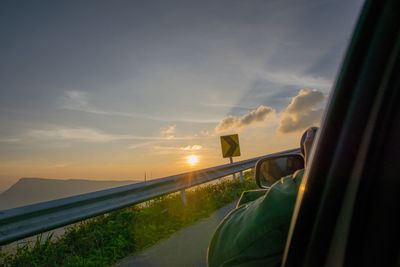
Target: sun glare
[[192, 160]]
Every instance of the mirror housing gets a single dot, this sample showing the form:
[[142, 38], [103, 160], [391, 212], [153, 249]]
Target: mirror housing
[[269, 170]]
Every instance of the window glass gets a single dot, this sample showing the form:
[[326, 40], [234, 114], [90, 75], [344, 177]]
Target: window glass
[[111, 93]]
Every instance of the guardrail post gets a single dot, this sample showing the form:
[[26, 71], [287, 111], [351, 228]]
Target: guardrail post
[[183, 197], [241, 176], [234, 174]]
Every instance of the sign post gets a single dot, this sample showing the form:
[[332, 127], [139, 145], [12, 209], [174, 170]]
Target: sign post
[[230, 148]]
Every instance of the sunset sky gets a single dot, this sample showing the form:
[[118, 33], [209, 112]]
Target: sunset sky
[[113, 89]]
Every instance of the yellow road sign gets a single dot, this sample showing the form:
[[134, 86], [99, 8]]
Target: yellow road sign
[[230, 146]]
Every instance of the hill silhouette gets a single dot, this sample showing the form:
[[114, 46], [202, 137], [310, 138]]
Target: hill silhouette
[[34, 190]]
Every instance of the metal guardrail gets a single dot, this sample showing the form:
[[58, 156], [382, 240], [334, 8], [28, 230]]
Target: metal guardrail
[[29, 220]]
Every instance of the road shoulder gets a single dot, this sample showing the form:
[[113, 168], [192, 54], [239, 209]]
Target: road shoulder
[[187, 247]]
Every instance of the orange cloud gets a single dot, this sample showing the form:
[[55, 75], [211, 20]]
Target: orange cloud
[[256, 116], [302, 112]]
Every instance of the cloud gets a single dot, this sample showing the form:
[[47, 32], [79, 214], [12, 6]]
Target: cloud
[[79, 134], [256, 116], [85, 134], [302, 112], [160, 147], [75, 100], [169, 131], [79, 101], [221, 105], [168, 150], [191, 148], [290, 78], [134, 146], [206, 134], [165, 147]]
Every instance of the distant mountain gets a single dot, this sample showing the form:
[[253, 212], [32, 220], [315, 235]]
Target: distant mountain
[[34, 190]]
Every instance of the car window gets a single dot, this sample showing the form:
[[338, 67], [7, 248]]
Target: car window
[[339, 217], [96, 95]]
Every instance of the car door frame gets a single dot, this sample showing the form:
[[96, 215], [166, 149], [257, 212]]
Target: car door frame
[[332, 202]]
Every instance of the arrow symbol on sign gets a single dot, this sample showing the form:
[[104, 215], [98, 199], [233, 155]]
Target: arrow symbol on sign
[[232, 145]]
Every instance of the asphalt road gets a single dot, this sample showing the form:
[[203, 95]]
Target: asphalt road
[[187, 247]]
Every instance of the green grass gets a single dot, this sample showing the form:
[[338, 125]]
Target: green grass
[[106, 239]]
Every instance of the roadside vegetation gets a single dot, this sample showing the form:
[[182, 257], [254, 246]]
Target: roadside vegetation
[[106, 239]]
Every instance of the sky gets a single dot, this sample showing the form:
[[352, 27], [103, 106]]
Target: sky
[[109, 90]]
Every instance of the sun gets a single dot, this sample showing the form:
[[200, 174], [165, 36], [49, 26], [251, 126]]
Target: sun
[[192, 160]]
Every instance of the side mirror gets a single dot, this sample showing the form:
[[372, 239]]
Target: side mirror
[[270, 170]]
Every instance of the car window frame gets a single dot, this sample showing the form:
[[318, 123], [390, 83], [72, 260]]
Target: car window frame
[[341, 153]]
